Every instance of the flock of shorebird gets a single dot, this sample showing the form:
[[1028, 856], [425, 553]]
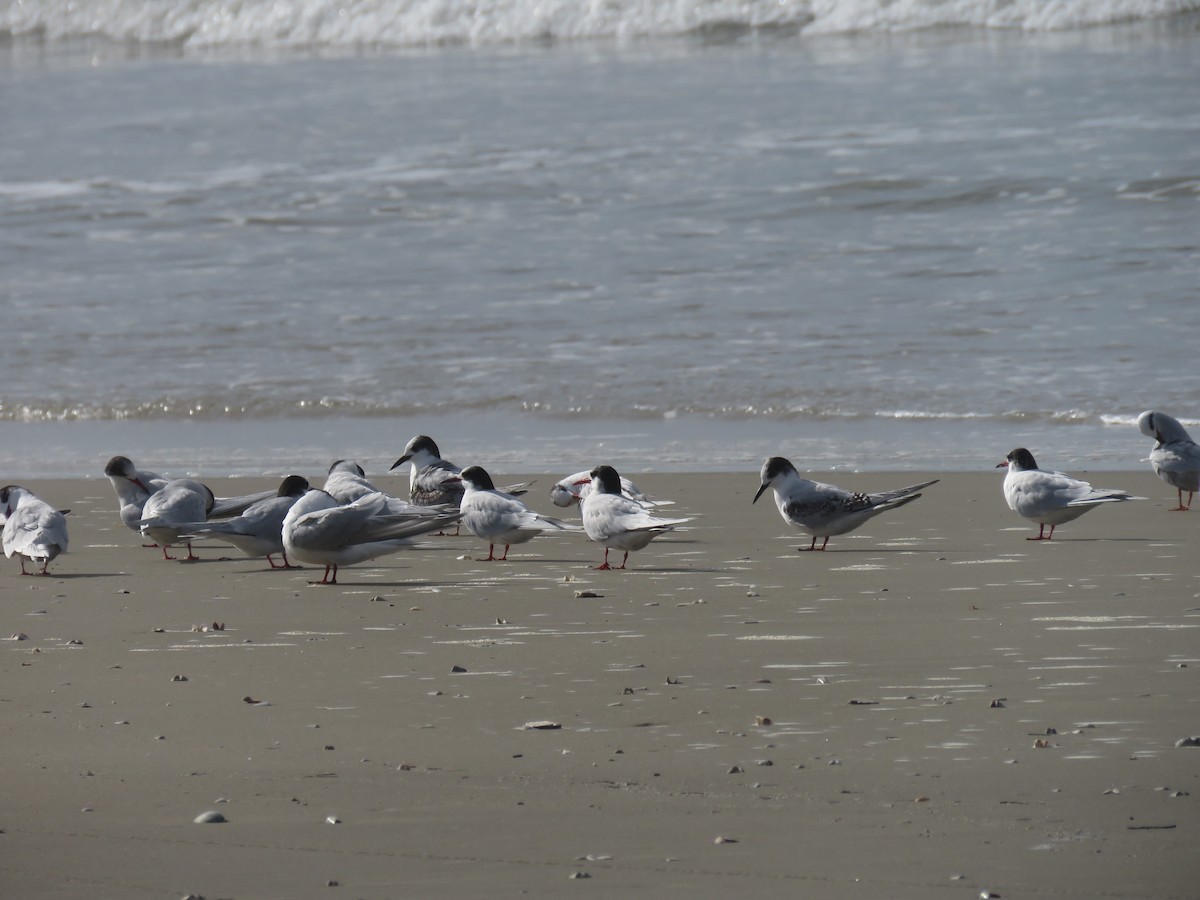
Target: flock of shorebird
[[350, 520]]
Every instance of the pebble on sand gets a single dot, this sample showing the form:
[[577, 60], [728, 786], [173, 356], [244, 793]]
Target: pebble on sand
[[212, 817]]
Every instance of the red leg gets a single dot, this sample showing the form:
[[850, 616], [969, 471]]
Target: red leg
[[166, 555], [286, 564], [329, 568], [1041, 535], [604, 565]]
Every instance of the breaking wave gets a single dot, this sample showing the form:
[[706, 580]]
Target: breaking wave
[[415, 23]]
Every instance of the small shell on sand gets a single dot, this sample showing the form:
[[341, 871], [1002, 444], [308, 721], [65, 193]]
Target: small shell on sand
[[333, 820], [725, 840], [212, 817], [762, 720], [543, 725]]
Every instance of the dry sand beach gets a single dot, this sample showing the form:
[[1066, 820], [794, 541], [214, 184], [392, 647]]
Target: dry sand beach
[[934, 707]]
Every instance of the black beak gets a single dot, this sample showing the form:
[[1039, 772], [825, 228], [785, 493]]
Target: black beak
[[760, 492], [401, 461]]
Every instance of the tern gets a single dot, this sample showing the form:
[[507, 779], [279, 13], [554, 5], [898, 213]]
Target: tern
[[347, 482], [1049, 498], [498, 517], [824, 510], [259, 530], [431, 480], [172, 510], [616, 521], [574, 488], [320, 530], [132, 487], [1176, 457], [33, 529]]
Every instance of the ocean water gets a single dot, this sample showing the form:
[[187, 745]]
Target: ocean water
[[251, 239]]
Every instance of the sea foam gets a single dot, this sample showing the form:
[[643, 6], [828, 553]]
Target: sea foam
[[351, 23]]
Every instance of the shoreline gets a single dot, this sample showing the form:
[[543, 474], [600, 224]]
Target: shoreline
[[526, 444], [732, 715]]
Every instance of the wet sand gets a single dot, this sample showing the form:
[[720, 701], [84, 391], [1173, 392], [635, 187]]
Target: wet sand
[[934, 707]]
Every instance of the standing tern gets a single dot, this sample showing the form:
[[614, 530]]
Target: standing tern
[[824, 510], [347, 482], [321, 531], [431, 479], [616, 521], [259, 530], [1176, 457], [33, 529], [132, 487], [1049, 498], [498, 517], [172, 510]]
